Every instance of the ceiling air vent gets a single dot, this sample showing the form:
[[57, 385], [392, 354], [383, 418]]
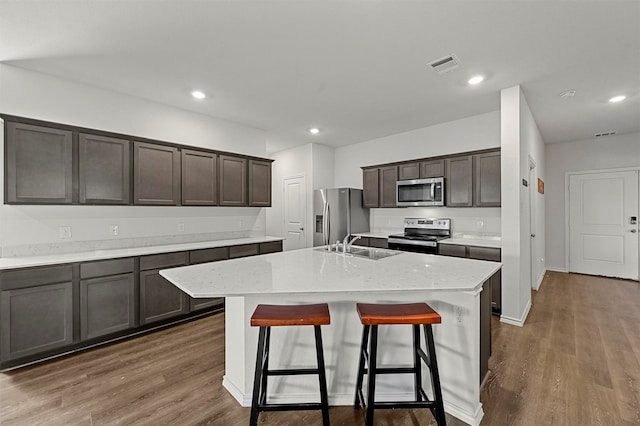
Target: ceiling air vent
[[603, 134], [446, 64]]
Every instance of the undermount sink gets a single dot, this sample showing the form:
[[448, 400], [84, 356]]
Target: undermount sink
[[366, 252]]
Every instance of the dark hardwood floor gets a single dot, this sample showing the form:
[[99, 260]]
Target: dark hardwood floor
[[575, 362]]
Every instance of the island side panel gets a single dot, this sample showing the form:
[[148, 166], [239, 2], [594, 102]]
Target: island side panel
[[457, 345]]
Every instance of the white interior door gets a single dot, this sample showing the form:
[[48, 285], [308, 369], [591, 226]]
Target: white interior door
[[295, 212], [533, 255], [603, 239]]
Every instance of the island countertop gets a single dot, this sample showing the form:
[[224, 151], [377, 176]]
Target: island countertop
[[316, 271]]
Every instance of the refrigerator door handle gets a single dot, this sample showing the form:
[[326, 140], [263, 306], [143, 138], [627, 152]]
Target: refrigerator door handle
[[325, 237], [327, 218]]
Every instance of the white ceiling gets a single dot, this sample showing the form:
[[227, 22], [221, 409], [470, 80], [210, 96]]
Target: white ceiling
[[355, 69]]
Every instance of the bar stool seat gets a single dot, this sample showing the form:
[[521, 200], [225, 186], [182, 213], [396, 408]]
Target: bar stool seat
[[267, 316], [416, 315]]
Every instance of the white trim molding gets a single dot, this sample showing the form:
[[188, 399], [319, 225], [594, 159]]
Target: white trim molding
[[538, 283], [517, 321]]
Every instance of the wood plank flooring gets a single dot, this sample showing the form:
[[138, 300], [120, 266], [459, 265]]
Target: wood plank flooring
[[575, 362]]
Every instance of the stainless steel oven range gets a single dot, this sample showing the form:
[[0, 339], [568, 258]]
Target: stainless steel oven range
[[421, 235]]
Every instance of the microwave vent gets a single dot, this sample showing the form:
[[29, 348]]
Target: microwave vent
[[604, 134], [446, 64]]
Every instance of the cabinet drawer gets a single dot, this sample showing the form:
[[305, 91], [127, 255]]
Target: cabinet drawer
[[103, 268], [165, 260], [31, 277], [208, 255], [243, 250], [452, 250], [484, 253], [270, 247]]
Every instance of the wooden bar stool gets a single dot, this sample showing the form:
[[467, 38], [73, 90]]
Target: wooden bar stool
[[416, 314], [267, 316]]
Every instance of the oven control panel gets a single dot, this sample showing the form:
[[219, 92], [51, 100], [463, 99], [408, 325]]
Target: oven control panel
[[427, 223]]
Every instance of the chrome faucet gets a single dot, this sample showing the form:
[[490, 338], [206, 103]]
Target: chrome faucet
[[346, 245]]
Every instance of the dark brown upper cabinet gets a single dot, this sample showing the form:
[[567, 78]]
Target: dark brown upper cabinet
[[487, 179], [409, 171], [459, 181], [156, 174], [38, 165], [431, 169], [199, 178], [104, 170], [388, 179], [259, 183], [233, 181], [370, 187]]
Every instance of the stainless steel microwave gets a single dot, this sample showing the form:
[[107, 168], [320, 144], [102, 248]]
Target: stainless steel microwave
[[420, 192]]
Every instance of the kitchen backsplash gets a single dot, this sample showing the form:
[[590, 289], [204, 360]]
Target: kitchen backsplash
[[37, 230], [476, 221]]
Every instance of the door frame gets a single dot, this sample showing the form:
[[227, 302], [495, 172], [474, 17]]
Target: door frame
[[567, 181], [533, 229], [306, 206]]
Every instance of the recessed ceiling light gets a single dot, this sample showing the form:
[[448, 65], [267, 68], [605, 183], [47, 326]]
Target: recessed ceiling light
[[476, 79], [198, 94], [314, 131], [618, 98]]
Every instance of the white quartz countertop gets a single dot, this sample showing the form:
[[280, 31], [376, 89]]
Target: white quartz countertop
[[378, 234], [56, 259], [316, 271], [474, 240]]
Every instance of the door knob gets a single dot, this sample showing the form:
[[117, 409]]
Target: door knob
[[302, 229], [533, 235], [633, 231]]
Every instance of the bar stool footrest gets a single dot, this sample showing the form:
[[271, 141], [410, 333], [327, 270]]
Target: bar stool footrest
[[292, 372], [404, 404], [291, 407]]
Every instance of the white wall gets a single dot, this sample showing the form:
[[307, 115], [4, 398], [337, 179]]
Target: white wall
[[315, 163], [40, 96], [520, 139], [289, 163], [467, 134], [591, 154]]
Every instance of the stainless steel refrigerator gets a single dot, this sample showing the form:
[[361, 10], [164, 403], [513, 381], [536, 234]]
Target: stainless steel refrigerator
[[338, 212]]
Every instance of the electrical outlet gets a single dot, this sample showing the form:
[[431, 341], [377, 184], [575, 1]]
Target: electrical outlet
[[65, 232], [180, 227], [480, 225], [114, 230], [240, 224]]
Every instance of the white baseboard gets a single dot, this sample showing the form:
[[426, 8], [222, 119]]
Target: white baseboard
[[537, 285], [347, 400], [552, 269], [517, 321]]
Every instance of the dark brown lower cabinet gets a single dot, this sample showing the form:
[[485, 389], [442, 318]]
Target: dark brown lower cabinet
[[480, 253], [107, 305], [36, 319], [203, 256], [159, 299]]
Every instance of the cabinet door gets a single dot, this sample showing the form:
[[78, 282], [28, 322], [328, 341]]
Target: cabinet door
[[259, 183], [388, 179], [35, 319], [156, 173], [233, 181], [487, 179], [39, 165], [107, 305], [459, 181], [408, 171], [432, 169], [199, 178], [159, 299], [103, 170], [370, 188], [203, 256]]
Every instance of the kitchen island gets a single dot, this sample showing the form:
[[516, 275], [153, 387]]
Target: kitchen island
[[452, 286]]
